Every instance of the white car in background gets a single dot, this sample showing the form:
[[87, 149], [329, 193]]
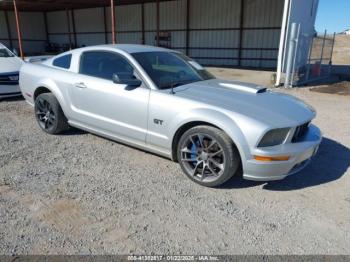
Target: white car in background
[[9, 73]]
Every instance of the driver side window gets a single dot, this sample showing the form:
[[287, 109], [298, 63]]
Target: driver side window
[[104, 64]]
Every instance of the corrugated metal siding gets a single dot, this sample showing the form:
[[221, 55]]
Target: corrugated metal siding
[[264, 39], [129, 38], [88, 39], [58, 27], [59, 39], [214, 14], [268, 38], [94, 28], [150, 38], [150, 16], [32, 25], [57, 22], [33, 31], [172, 15], [89, 20], [172, 19], [128, 18], [108, 19], [218, 16], [178, 39], [215, 44], [3, 28], [214, 37], [261, 13], [31, 48]]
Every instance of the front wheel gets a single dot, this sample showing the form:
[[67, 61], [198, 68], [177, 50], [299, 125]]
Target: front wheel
[[49, 114], [207, 156]]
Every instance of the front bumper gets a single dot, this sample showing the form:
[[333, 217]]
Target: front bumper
[[300, 155]]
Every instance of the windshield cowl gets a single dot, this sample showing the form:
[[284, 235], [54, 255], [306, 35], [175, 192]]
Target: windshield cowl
[[177, 84]]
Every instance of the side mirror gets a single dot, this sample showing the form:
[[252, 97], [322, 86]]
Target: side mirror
[[126, 79]]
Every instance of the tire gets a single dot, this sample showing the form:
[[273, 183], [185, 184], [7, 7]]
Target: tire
[[49, 114], [208, 148]]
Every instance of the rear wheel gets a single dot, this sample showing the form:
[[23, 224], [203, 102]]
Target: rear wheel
[[207, 156], [49, 114]]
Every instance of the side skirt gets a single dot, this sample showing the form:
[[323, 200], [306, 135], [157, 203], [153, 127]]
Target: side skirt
[[123, 140]]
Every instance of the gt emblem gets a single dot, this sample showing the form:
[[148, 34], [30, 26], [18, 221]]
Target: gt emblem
[[158, 121]]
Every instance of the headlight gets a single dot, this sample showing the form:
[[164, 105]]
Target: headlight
[[14, 78], [274, 137]]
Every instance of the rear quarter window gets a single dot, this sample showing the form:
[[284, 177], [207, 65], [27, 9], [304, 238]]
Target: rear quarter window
[[63, 61]]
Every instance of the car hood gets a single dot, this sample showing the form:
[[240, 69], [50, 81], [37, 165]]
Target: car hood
[[10, 64], [254, 101]]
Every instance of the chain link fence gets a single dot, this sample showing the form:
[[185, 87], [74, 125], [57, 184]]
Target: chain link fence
[[319, 62], [320, 59]]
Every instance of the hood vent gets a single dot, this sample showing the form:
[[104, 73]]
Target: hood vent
[[244, 87]]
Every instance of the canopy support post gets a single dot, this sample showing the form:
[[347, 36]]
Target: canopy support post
[[113, 22], [18, 29]]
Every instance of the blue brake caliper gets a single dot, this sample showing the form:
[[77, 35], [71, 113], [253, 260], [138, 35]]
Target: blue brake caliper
[[193, 154]]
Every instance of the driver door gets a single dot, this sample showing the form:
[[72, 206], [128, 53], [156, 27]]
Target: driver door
[[102, 105]]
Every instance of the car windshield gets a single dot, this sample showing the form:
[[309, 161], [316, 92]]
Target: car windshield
[[5, 53], [170, 69]]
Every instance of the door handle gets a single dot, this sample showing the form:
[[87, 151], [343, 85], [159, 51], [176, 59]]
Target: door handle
[[80, 85]]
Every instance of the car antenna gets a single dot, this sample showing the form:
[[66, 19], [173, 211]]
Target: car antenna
[[172, 88]]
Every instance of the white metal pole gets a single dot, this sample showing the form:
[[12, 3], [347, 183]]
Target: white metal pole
[[291, 54], [282, 40], [295, 52]]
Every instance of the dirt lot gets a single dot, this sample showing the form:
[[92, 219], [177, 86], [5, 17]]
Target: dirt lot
[[79, 194], [341, 88]]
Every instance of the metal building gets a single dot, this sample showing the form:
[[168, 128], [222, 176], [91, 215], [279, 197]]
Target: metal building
[[239, 33]]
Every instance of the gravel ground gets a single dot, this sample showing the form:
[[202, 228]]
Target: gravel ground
[[78, 193]]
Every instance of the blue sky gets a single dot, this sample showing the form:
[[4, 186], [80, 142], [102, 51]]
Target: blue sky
[[333, 15]]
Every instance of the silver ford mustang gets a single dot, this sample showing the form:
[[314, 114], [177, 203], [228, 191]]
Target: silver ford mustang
[[164, 102]]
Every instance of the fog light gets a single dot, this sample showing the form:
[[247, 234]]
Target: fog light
[[271, 158]]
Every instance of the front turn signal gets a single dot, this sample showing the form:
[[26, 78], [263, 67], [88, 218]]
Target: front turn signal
[[271, 158]]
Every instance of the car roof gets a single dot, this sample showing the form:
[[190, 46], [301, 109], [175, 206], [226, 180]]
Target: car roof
[[128, 48]]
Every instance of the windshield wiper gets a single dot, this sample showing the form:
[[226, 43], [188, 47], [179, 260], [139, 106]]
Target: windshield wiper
[[171, 85], [176, 84]]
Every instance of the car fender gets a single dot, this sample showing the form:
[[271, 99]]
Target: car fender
[[211, 116], [55, 90]]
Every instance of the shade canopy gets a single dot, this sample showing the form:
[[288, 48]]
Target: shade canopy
[[55, 5]]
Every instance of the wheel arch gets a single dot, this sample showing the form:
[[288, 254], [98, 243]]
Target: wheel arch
[[49, 86], [40, 90], [214, 119]]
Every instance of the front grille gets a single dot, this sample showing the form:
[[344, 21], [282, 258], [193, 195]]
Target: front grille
[[300, 132]]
